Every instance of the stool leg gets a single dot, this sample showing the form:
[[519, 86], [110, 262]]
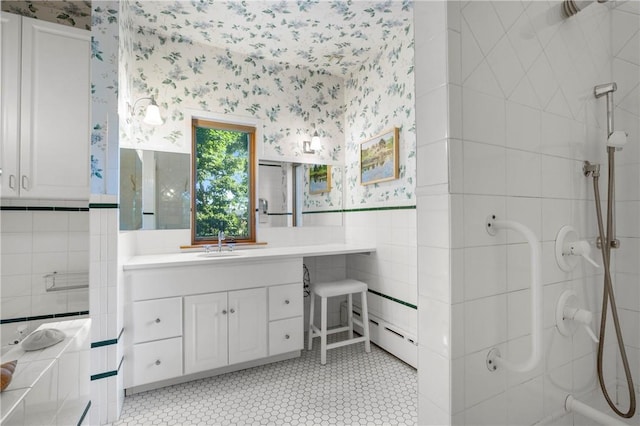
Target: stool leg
[[350, 315], [323, 331], [312, 304], [365, 321]]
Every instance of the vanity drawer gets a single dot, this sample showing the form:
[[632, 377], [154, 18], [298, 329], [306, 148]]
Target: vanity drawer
[[157, 319], [285, 301], [285, 335], [154, 361]]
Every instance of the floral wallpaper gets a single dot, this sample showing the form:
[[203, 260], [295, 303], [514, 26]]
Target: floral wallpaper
[[169, 53], [104, 93], [65, 12], [292, 102], [326, 36], [378, 97]]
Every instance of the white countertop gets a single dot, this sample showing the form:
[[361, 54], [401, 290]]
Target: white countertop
[[242, 255], [33, 364]]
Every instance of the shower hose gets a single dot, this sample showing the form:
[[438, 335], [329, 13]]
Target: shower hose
[[608, 297]]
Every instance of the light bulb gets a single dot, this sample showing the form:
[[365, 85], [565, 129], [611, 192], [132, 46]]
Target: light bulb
[[315, 141], [152, 115]]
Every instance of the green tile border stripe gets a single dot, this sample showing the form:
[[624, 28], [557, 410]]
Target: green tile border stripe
[[323, 211], [43, 317], [84, 413], [393, 299], [104, 343], [43, 209], [107, 374], [363, 209], [373, 209], [104, 375], [104, 206], [107, 342]]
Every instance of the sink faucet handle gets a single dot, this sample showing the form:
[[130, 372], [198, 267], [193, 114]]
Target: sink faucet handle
[[207, 248]]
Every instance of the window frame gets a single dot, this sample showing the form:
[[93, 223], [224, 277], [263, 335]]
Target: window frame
[[252, 131]]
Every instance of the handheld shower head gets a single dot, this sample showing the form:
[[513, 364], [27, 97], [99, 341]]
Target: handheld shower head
[[617, 139], [572, 7], [607, 90]]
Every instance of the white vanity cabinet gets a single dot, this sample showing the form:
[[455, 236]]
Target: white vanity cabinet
[[189, 321], [285, 318], [156, 350], [46, 102], [224, 328]]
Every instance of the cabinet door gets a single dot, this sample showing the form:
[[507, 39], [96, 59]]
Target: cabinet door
[[247, 324], [10, 103], [205, 332], [55, 111]]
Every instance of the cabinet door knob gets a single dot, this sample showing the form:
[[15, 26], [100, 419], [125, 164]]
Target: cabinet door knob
[[157, 320], [286, 302], [158, 362], [25, 182], [232, 310], [12, 181], [286, 336], [224, 312]]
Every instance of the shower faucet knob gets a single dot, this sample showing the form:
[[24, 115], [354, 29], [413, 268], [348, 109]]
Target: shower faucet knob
[[581, 248]]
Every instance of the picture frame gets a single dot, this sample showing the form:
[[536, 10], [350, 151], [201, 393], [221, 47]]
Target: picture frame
[[319, 178], [379, 158]]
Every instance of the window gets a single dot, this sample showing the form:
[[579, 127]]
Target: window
[[223, 182]]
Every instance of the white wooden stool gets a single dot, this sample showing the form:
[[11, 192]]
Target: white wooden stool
[[333, 289]]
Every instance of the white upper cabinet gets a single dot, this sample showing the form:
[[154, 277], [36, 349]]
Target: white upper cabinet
[[45, 147], [10, 103]]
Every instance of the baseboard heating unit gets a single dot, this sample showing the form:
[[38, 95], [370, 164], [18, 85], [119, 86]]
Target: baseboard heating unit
[[389, 337]]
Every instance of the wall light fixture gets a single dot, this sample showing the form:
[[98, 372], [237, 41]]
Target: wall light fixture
[[310, 147], [152, 114]]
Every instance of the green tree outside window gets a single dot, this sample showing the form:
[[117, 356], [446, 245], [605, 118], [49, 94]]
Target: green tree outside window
[[223, 182]]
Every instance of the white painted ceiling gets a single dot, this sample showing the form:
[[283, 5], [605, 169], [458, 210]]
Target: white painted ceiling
[[333, 36]]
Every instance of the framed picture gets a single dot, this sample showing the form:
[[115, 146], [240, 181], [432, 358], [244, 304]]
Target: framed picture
[[319, 178], [379, 158]]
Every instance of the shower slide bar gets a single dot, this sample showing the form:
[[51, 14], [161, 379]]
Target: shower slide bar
[[494, 359], [60, 281]]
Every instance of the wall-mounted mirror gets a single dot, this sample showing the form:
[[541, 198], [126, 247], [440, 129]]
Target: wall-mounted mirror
[[154, 192], [294, 194]]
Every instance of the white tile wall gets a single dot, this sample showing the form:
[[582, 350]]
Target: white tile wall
[[626, 72], [529, 120], [106, 309], [35, 243], [392, 270]]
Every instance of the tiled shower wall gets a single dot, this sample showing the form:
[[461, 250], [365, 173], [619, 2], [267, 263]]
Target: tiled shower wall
[[521, 119], [625, 43], [36, 242]]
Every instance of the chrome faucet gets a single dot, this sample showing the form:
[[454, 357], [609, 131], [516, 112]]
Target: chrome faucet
[[220, 240]]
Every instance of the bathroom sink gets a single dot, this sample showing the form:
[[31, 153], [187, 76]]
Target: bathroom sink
[[220, 254]]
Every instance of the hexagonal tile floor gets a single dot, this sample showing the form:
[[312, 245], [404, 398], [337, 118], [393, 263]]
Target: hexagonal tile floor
[[352, 388]]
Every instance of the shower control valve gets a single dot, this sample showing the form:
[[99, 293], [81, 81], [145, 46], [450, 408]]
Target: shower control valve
[[581, 248], [569, 315], [569, 246]]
